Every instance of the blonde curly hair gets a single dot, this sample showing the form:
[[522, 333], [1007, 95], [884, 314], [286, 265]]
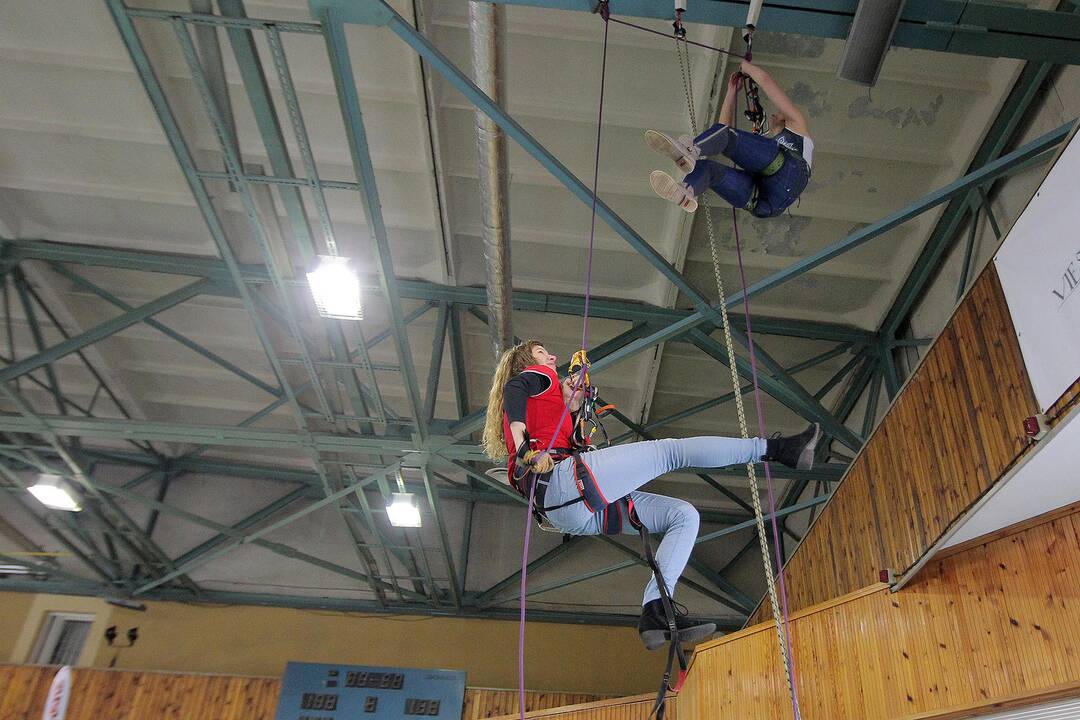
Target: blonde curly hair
[[510, 364]]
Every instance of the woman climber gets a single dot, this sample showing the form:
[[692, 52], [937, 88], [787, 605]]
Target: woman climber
[[593, 492], [772, 171]]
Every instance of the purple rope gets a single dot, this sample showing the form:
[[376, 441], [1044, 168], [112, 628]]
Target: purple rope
[[768, 474], [521, 614], [578, 383], [761, 433], [595, 187]]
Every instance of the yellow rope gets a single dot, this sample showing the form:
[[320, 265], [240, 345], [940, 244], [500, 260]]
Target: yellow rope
[[759, 518]]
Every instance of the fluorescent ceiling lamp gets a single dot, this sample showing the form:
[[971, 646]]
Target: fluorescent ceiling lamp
[[14, 570], [336, 288], [51, 493], [403, 511]]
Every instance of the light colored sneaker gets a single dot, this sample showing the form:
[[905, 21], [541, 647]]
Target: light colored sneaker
[[671, 190], [683, 152]]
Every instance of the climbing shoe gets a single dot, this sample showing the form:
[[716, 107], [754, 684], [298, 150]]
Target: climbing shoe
[[653, 626], [683, 152], [672, 190], [795, 451]]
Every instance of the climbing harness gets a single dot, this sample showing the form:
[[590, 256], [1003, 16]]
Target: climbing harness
[[779, 611]]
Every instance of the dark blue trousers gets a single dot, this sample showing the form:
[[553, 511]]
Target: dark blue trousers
[[739, 185]]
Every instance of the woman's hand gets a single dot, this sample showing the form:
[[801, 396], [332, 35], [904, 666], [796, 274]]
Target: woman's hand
[[572, 397], [734, 81], [749, 68]]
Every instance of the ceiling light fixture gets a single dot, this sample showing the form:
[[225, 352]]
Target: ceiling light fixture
[[336, 288], [403, 511], [14, 570], [50, 492]]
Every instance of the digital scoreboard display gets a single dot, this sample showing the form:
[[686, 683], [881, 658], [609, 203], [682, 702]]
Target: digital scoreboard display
[[316, 691]]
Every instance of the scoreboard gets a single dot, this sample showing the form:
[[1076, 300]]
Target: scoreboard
[[316, 691]]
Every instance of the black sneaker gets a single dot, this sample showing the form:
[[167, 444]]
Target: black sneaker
[[653, 626], [795, 451]]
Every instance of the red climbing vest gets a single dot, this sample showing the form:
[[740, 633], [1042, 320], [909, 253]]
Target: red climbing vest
[[542, 414]]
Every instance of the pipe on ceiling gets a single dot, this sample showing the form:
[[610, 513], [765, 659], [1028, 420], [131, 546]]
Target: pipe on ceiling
[[486, 22]]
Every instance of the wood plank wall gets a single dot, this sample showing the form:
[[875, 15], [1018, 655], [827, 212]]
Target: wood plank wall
[[953, 431], [993, 624], [125, 695], [636, 707]]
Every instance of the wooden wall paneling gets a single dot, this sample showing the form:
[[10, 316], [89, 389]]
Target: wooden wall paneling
[[125, 695], [995, 623], [951, 433], [636, 707]]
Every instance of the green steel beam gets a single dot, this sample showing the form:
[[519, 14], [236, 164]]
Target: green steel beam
[[234, 534], [888, 369], [969, 249], [167, 331], [487, 597], [344, 81], [466, 543], [273, 138], [103, 330], [234, 166], [457, 361], [728, 397], [795, 398], [737, 605], [991, 171], [444, 540], [523, 300], [225, 22], [839, 375], [782, 512], [870, 416], [437, 344], [89, 588], [108, 428], [102, 384], [89, 559], [987, 156], [957, 26], [266, 530], [253, 519], [101, 506], [21, 289]]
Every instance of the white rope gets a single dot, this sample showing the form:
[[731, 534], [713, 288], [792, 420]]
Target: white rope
[[759, 518]]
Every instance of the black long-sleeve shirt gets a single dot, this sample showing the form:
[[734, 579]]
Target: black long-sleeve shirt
[[519, 389]]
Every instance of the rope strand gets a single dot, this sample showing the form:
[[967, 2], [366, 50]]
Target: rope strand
[[578, 383], [780, 615]]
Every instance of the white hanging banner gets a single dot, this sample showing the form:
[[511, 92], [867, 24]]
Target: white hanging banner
[[1039, 267], [56, 702]]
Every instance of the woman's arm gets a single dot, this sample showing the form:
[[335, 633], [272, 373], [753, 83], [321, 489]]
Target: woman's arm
[[796, 121], [515, 397], [727, 109], [517, 433]]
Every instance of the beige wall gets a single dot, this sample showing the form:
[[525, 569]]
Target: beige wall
[[247, 640], [28, 613], [13, 610]]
